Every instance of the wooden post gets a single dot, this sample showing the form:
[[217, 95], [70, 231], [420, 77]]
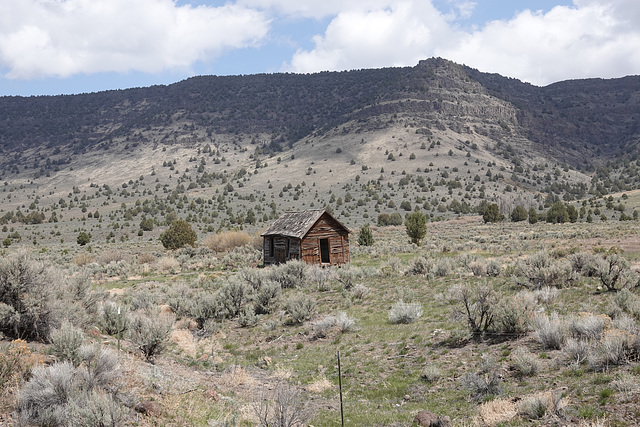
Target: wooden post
[[340, 387]]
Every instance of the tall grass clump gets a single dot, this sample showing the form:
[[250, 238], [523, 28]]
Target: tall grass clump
[[226, 240]]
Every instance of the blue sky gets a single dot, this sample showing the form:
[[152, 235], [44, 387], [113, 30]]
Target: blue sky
[[50, 47]]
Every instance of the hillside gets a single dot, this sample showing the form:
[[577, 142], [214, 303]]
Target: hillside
[[236, 151]]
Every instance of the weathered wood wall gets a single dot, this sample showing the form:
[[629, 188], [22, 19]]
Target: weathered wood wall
[[326, 228], [289, 247]]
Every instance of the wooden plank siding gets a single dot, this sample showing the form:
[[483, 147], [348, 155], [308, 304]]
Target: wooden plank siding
[[326, 228]]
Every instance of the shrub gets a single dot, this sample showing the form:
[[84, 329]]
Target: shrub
[[519, 213], [205, 306], [614, 349], [247, 317], [365, 237], [419, 266], [576, 351], [43, 398], [478, 268], [540, 270], [27, 309], [178, 235], [493, 268], [587, 326], [83, 238], [416, 224], [513, 315], [320, 276], [345, 323], [149, 335], [113, 319], [233, 296], [267, 297], [550, 331], [476, 305], [281, 407], [291, 274], [66, 341], [16, 362], [402, 312], [431, 373], [300, 307], [322, 326], [524, 362], [226, 241], [61, 395], [482, 385], [610, 271], [492, 214], [168, 264], [359, 292]]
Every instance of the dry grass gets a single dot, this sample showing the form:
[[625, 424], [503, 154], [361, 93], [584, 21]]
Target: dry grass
[[319, 385], [495, 411], [168, 264], [83, 259], [227, 240]]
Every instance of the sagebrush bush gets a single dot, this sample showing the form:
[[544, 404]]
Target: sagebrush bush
[[113, 318], [524, 362], [205, 306], [431, 373], [300, 307], [403, 312], [66, 341], [576, 351], [267, 297], [64, 395], [16, 362], [321, 327], [481, 385], [615, 348], [151, 335], [587, 326], [43, 399], [168, 264], [27, 308], [493, 268], [227, 240], [540, 270], [475, 304], [345, 323], [549, 330], [292, 274], [419, 266], [282, 406], [320, 277], [233, 296], [513, 315], [247, 317], [611, 270], [359, 292]]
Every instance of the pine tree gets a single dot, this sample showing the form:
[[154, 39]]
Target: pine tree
[[365, 238]]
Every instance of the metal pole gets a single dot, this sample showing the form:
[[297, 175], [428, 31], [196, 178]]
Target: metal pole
[[340, 386]]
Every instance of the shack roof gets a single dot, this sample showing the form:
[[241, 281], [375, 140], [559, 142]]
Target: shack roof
[[297, 224]]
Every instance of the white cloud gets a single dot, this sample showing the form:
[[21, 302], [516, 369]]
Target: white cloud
[[396, 35], [591, 38], [316, 8], [43, 38]]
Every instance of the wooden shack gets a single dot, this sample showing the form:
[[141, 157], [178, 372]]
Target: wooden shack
[[313, 236]]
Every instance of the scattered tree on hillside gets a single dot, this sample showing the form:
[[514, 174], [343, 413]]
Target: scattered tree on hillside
[[533, 215], [416, 223], [83, 238], [365, 238], [492, 214], [178, 235], [557, 214], [519, 213]]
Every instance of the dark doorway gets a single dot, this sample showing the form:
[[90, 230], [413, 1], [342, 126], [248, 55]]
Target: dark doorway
[[324, 251]]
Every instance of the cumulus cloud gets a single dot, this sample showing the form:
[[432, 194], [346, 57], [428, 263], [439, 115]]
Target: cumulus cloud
[[401, 34], [43, 38], [591, 38]]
